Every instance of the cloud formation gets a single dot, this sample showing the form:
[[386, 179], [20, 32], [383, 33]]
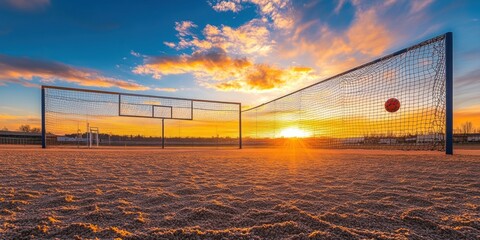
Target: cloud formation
[[283, 34], [280, 12], [251, 38], [183, 28], [227, 58], [216, 69], [333, 52], [463, 89], [224, 6], [24, 70], [419, 5], [135, 54], [166, 89]]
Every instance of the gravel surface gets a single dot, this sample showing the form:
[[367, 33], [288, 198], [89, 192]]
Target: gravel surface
[[238, 194]]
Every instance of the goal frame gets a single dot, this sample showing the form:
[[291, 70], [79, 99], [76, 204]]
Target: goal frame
[[154, 106], [448, 36]]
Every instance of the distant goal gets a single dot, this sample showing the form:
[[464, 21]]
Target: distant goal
[[90, 118]]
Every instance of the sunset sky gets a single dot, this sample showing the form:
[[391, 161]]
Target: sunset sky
[[247, 51]]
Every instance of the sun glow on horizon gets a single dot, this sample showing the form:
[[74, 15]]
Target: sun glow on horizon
[[294, 132]]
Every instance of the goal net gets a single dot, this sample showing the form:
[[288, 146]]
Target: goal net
[[348, 110], [121, 119]]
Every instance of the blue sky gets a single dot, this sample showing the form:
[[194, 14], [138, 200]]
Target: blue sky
[[238, 50]]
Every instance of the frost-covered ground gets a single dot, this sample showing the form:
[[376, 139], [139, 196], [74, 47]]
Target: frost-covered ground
[[233, 194]]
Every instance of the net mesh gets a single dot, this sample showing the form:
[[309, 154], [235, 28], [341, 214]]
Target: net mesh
[[136, 120], [348, 110]]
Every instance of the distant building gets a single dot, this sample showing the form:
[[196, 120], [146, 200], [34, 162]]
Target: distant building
[[429, 138], [354, 140], [388, 141], [71, 139], [20, 138], [474, 137], [466, 138]]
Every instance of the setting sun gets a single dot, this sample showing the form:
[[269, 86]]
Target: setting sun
[[293, 132]]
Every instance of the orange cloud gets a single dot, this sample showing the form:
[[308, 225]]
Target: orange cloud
[[368, 36], [7, 117], [215, 63], [266, 77], [334, 52], [216, 69], [24, 70], [166, 89]]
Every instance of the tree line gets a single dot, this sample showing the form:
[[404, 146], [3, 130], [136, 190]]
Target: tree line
[[25, 128], [466, 128]]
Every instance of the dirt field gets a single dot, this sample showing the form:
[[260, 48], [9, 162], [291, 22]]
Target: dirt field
[[233, 194]]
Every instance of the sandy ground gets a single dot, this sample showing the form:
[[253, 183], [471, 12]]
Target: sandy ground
[[233, 194]]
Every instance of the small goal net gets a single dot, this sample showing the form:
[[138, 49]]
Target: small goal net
[[86, 118]]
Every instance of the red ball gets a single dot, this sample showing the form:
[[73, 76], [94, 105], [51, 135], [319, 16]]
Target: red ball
[[392, 105]]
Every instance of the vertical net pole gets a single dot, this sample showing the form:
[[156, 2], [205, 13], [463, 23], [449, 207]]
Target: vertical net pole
[[44, 135], [191, 110], [89, 136], [240, 126], [119, 104], [449, 93], [163, 133]]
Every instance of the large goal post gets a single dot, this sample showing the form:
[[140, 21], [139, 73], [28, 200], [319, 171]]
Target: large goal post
[[348, 110], [83, 118]]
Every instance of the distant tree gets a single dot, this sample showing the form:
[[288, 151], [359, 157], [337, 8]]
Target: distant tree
[[4, 128], [467, 127], [35, 130], [458, 130], [24, 128]]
